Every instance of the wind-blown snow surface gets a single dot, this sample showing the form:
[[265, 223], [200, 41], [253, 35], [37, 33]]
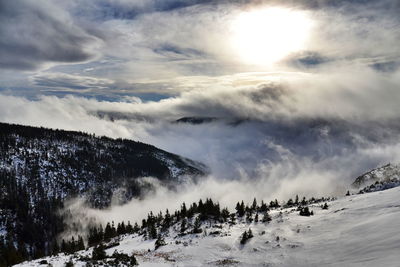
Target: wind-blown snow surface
[[358, 230]]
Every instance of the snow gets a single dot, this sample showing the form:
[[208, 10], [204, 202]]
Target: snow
[[387, 173], [357, 230]]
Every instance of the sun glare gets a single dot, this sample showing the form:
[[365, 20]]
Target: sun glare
[[263, 37]]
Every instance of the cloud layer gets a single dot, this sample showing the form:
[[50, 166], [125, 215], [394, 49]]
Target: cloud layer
[[35, 33], [308, 124]]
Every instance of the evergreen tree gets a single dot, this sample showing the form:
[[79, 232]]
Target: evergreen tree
[[246, 236], [183, 226], [80, 244], [133, 261], [263, 207], [240, 209], [159, 242], [183, 210], [225, 214], [250, 233], [64, 246], [306, 212], [136, 228], [152, 231], [197, 225], [232, 218], [99, 253], [267, 218], [254, 205], [167, 220], [129, 228], [296, 201], [69, 263], [108, 232], [121, 228], [249, 217]]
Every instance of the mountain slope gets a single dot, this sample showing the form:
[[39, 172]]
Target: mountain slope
[[72, 163], [358, 230], [381, 178], [40, 168]]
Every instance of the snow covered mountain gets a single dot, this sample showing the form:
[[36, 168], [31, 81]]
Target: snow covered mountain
[[41, 168], [381, 178], [357, 230], [69, 163]]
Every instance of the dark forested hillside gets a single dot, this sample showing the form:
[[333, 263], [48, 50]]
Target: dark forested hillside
[[40, 168]]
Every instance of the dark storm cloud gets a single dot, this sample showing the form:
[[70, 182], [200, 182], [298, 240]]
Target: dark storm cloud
[[36, 32]]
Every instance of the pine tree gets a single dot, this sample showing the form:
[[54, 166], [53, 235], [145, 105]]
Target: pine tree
[[121, 229], [232, 218], [254, 205], [80, 244], [136, 228], [306, 212], [167, 220], [99, 253], [70, 263], [244, 238], [290, 203], [133, 260], [183, 210], [56, 249], [197, 225], [267, 218], [183, 226], [108, 232], [240, 209], [129, 228], [64, 246], [249, 217], [225, 214], [159, 242], [263, 207], [152, 231], [250, 233]]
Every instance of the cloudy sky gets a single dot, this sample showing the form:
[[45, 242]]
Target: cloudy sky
[[301, 93]]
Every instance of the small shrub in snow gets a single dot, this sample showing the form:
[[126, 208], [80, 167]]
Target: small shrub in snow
[[306, 212], [246, 236], [267, 218], [69, 264], [160, 242]]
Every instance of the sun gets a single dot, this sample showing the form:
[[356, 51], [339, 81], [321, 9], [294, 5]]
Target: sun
[[263, 37]]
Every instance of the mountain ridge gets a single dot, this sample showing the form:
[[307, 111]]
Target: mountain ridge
[[41, 168]]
